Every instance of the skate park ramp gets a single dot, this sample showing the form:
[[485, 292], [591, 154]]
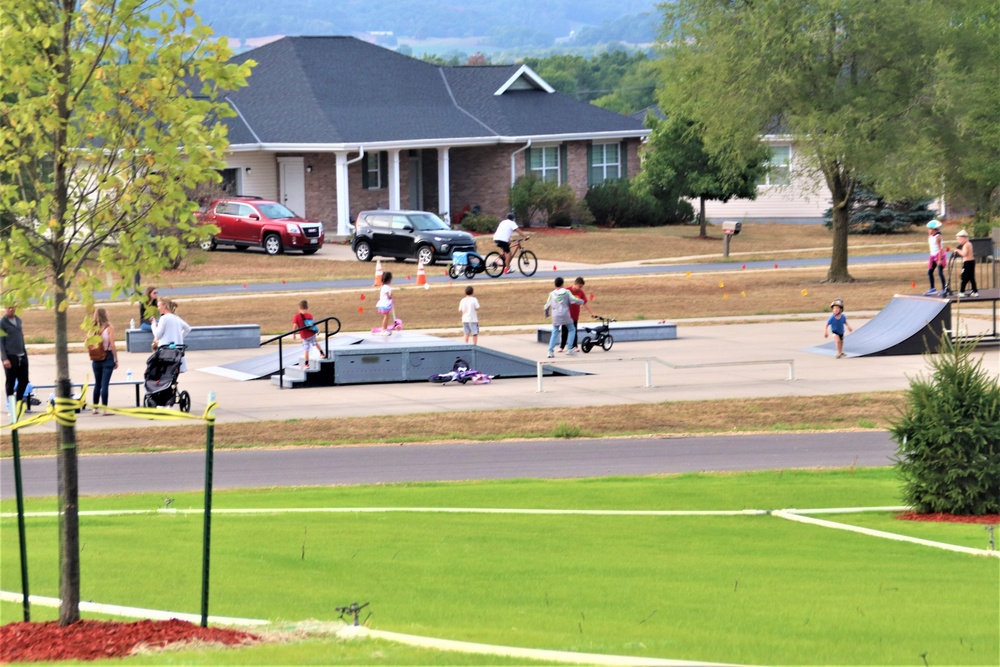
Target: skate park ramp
[[401, 357], [907, 325]]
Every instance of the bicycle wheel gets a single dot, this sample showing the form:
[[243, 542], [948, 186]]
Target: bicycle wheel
[[470, 271], [494, 264], [586, 345], [454, 272], [608, 341], [527, 262]]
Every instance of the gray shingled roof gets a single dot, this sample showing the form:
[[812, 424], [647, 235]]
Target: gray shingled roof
[[341, 90]]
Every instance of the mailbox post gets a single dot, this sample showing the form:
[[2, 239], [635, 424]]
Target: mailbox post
[[730, 229]]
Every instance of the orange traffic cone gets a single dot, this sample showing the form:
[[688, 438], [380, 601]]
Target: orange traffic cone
[[421, 274], [378, 273]]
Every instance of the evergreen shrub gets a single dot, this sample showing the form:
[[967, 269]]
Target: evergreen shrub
[[872, 214], [480, 223], [948, 438]]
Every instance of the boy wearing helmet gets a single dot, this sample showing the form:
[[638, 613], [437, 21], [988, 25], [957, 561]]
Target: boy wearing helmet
[[936, 260], [964, 251], [836, 323]]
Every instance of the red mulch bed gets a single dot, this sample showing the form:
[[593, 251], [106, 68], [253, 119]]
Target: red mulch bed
[[96, 640], [986, 519]]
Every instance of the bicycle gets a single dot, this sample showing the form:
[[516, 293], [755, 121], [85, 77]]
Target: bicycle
[[525, 260], [602, 335]]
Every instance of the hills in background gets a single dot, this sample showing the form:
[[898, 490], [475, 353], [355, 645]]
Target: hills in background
[[500, 29]]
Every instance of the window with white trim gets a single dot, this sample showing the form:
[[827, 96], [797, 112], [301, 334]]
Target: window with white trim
[[545, 163], [373, 168], [605, 163], [779, 167]]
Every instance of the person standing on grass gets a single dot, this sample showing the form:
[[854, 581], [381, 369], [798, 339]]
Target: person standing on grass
[[574, 313], [147, 309], [836, 323], [385, 304], [103, 368], [505, 230], [557, 305], [13, 353], [968, 257], [936, 259], [469, 307], [304, 321]]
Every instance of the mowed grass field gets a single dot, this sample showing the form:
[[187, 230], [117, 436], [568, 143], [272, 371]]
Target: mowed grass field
[[751, 589]]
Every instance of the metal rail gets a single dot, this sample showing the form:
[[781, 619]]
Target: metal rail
[[326, 342], [649, 365]]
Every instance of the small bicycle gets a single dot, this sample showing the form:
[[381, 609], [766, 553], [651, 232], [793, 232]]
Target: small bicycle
[[525, 260], [601, 335]]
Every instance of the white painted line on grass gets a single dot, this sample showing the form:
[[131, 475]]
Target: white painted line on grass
[[131, 612], [791, 516], [514, 651]]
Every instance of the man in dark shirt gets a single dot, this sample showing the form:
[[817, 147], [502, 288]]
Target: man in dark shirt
[[13, 353]]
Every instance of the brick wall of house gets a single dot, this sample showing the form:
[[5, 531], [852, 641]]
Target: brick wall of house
[[481, 176]]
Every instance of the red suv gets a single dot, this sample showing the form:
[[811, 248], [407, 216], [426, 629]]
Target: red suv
[[252, 221]]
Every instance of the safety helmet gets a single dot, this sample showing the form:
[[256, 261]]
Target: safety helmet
[[837, 302], [934, 224]]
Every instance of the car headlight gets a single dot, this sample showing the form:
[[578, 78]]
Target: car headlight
[[293, 229]]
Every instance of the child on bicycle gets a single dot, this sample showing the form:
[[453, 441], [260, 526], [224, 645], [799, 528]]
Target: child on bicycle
[[502, 236]]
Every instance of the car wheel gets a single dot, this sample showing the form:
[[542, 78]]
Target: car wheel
[[272, 244], [208, 244], [425, 254], [309, 251], [363, 251]]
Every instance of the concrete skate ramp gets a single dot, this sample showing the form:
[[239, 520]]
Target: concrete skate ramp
[[401, 357], [907, 325]]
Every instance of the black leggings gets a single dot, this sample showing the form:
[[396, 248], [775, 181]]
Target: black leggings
[[18, 372], [940, 270], [969, 275], [564, 334]]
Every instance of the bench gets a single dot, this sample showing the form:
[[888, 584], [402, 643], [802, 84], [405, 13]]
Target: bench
[[135, 383], [223, 337]]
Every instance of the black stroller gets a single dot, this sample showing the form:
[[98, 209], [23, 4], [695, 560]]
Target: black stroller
[[162, 369]]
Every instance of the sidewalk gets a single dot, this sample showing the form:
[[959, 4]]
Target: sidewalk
[[609, 383]]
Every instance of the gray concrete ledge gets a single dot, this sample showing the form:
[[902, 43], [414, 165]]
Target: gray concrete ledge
[[223, 337], [622, 331]]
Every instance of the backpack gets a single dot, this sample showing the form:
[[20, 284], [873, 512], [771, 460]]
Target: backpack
[[97, 352], [312, 325]]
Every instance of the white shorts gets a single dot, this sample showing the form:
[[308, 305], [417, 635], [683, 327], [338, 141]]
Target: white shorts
[[309, 342], [470, 328]]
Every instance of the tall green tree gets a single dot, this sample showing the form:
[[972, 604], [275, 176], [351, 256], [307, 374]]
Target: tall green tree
[[848, 80], [676, 162], [108, 117]]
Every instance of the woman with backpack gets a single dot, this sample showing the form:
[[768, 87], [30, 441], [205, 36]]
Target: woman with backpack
[[103, 358]]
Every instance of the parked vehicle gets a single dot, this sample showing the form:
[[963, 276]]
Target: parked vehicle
[[407, 235], [252, 221]]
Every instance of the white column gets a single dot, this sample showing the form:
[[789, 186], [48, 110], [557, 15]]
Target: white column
[[394, 180], [343, 196], [444, 182]]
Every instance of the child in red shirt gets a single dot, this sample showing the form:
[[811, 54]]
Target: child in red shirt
[[304, 320]]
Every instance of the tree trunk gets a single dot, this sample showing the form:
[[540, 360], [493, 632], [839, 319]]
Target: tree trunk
[[841, 217], [701, 217], [69, 519]]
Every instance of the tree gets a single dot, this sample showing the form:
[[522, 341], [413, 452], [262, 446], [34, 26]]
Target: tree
[[108, 118], [676, 162], [849, 81]]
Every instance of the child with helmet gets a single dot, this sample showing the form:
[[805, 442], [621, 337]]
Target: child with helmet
[[836, 323]]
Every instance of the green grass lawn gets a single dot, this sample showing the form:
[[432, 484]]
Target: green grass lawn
[[744, 589]]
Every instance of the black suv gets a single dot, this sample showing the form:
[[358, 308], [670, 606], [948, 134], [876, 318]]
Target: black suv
[[407, 234]]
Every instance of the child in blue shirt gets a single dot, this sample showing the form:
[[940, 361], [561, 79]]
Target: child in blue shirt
[[836, 324]]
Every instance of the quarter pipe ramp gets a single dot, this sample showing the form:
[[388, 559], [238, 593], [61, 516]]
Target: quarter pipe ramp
[[907, 325]]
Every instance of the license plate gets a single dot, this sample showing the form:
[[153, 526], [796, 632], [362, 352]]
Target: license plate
[[312, 241]]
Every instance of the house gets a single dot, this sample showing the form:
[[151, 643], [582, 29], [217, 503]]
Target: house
[[331, 126]]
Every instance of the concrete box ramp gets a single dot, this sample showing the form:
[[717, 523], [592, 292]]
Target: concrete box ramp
[[907, 325], [410, 357], [266, 365]]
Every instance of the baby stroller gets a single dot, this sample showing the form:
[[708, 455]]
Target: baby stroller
[[466, 264], [162, 369]]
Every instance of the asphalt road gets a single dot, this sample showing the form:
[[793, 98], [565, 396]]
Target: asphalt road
[[169, 473]]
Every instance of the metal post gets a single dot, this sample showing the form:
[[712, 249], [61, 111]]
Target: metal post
[[649, 373], [727, 237], [19, 492], [207, 535], [539, 371], [281, 367]]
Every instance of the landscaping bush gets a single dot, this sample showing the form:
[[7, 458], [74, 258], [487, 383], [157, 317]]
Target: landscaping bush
[[871, 214], [480, 223], [949, 437], [619, 203], [532, 200]]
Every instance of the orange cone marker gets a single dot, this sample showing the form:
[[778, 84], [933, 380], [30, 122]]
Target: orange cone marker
[[378, 273], [421, 274]]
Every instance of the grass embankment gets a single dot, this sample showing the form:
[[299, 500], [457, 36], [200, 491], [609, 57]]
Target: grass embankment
[[738, 589], [853, 411]]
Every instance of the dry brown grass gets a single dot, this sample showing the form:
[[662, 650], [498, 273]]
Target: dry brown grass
[[505, 302], [874, 410]]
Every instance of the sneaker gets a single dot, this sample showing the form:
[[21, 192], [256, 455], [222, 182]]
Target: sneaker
[[974, 294], [840, 356], [571, 353], [509, 271], [386, 332], [930, 292], [551, 356], [560, 350]]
